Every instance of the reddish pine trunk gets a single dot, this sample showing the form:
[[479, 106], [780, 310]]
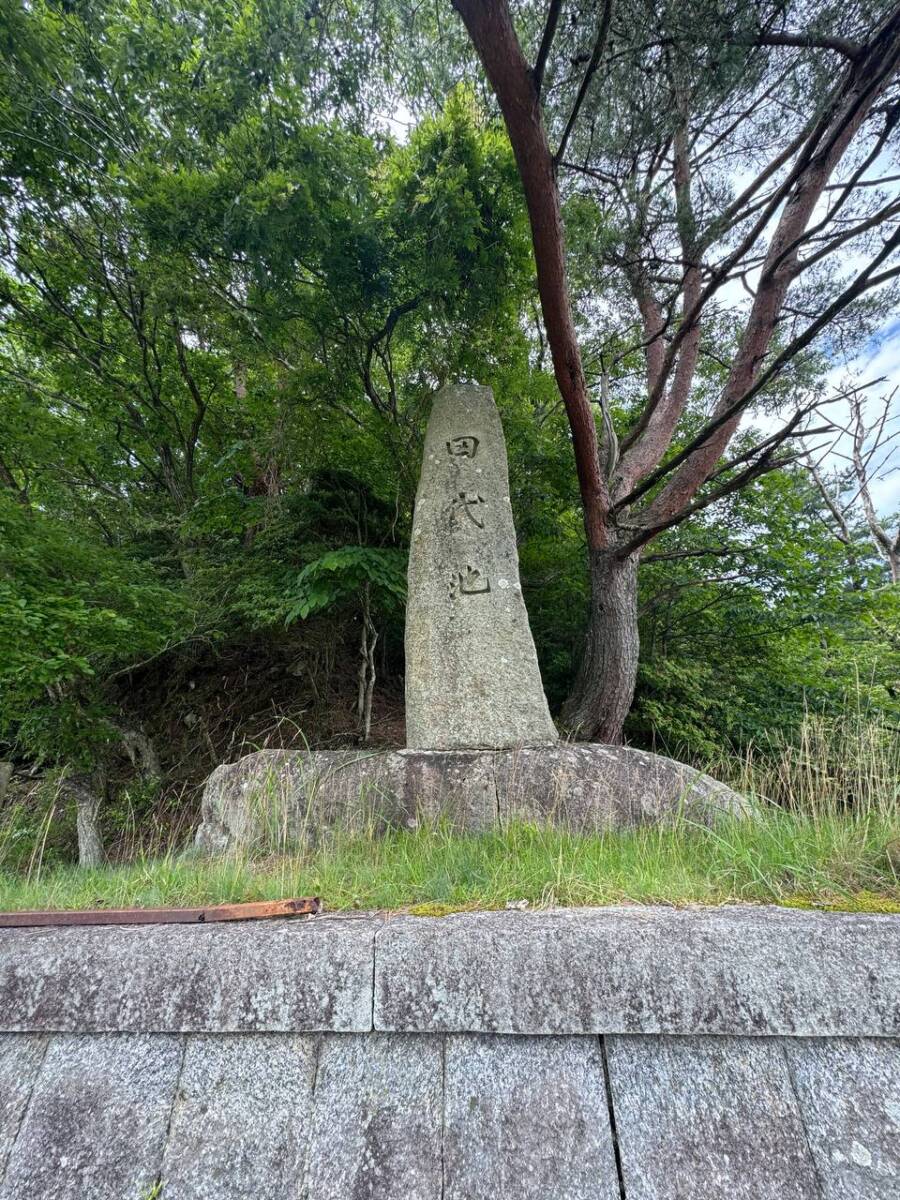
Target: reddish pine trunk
[[607, 672]]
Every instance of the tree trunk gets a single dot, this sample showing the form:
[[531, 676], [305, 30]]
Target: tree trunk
[[493, 35], [88, 791], [6, 773], [141, 753], [606, 677], [366, 676]]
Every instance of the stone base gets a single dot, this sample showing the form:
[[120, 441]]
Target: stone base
[[280, 798]]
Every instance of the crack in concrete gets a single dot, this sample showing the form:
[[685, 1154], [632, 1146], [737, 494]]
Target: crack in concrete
[[375, 933], [617, 1150], [443, 1113], [176, 1097], [820, 1184]]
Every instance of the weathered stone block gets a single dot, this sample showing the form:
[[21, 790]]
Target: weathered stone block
[[526, 1118], [472, 677], [849, 1093], [20, 1060], [277, 798], [300, 975], [742, 970], [376, 1125], [591, 787], [456, 786], [96, 1125], [239, 1125], [708, 1119]]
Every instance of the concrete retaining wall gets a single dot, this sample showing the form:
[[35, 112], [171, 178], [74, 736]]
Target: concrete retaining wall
[[619, 1054]]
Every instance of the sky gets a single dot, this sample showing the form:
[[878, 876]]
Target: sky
[[880, 358]]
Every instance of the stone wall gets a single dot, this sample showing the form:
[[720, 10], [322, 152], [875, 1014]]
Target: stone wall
[[617, 1054]]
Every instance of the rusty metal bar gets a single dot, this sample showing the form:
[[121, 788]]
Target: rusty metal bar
[[259, 910]]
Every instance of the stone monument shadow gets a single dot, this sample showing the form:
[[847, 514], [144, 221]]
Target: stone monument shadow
[[482, 749]]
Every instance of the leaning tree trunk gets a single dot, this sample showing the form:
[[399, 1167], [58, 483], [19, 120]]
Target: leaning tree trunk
[[605, 682], [6, 771]]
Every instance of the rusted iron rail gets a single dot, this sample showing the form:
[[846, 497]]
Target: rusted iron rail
[[259, 910]]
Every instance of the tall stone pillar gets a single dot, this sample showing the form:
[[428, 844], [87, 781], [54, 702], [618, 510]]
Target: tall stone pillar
[[472, 678]]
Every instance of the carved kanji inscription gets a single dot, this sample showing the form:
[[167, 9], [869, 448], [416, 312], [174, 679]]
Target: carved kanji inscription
[[470, 582], [472, 678], [469, 503], [463, 447]]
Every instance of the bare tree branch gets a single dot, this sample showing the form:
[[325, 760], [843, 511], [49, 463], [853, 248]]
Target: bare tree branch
[[806, 41], [540, 62], [888, 545], [596, 55]]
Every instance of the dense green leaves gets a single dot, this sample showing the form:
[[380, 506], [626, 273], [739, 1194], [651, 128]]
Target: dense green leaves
[[70, 611], [344, 575], [225, 294], [227, 291]]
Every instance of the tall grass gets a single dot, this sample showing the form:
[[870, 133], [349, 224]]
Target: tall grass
[[832, 765], [825, 831]]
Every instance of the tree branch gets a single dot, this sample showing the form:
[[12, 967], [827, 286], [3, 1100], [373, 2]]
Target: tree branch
[[766, 463], [843, 530], [888, 546], [540, 62], [820, 148], [596, 55], [806, 41], [863, 282], [706, 552], [644, 451]]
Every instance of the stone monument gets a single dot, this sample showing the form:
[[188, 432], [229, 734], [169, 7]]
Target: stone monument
[[481, 747], [472, 678]]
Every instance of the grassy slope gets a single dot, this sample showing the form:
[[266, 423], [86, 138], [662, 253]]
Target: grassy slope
[[832, 840], [778, 857]]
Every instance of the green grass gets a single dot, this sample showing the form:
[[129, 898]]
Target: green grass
[[827, 836], [839, 861]]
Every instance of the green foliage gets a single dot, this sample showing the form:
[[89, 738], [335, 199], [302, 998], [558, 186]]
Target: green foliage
[[37, 829], [226, 293], [346, 574], [70, 611], [221, 284], [776, 621]]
